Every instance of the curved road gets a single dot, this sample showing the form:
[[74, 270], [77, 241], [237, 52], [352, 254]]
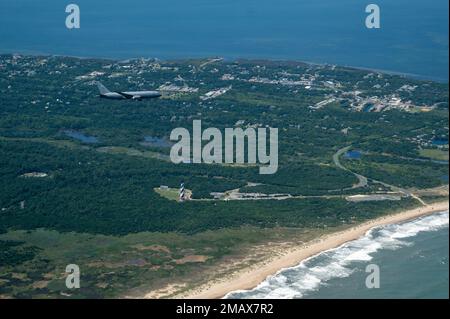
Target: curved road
[[363, 180]]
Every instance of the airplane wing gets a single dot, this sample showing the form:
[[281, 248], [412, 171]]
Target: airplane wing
[[127, 96]]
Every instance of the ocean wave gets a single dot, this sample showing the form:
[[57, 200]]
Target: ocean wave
[[341, 262]]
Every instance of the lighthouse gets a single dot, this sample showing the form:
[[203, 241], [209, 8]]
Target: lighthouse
[[182, 193]]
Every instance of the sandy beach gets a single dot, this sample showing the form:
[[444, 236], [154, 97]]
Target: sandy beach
[[250, 278]]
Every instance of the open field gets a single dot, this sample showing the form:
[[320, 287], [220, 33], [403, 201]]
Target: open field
[[435, 154], [128, 265]]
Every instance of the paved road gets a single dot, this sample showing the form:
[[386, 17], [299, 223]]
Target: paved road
[[363, 179]]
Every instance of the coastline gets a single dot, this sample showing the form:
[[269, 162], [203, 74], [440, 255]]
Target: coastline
[[250, 278], [407, 75]]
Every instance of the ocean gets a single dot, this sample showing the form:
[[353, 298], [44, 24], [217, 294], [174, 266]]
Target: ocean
[[413, 38], [412, 258]]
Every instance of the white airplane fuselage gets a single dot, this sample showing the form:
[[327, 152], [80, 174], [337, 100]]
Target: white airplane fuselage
[[133, 95], [126, 95]]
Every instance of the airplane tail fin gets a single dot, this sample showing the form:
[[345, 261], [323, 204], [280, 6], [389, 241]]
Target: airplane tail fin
[[102, 88]]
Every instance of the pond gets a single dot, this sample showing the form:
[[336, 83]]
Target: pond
[[154, 141], [368, 107], [439, 142], [81, 137], [353, 154]]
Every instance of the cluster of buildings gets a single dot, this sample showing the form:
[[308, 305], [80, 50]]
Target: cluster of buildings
[[173, 88], [306, 80], [353, 93], [384, 103], [427, 141], [215, 93]]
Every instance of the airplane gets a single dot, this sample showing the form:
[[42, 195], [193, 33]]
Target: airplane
[[132, 95]]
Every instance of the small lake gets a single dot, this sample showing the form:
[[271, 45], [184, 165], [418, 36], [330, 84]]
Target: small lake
[[154, 141], [368, 107], [81, 137], [439, 142], [353, 154]]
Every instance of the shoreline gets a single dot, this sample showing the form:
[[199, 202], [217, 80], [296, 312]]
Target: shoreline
[[407, 75], [252, 277]]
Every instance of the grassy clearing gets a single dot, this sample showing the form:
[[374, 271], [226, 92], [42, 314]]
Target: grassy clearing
[[435, 154], [169, 193], [132, 152], [172, 193]]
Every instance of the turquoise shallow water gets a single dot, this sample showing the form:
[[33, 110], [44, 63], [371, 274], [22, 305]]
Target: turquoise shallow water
[[413, 37], [413, 259]]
